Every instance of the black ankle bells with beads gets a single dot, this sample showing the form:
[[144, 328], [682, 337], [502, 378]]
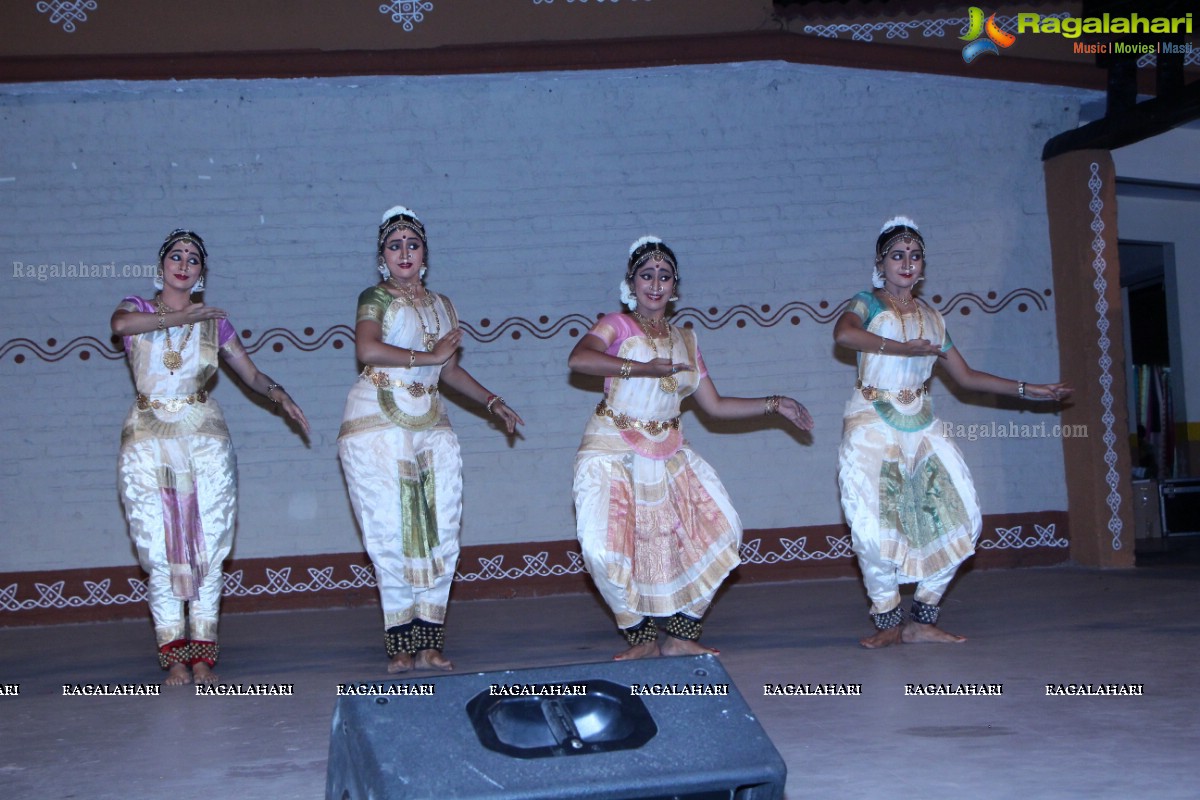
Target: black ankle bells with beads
[[396, 640], [888, 619], [681, 626], [426, 636], [644, 632], [925, 613], [414, 637]]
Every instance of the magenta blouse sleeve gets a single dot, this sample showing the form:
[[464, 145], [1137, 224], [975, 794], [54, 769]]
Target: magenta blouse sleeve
[[134, 303], [225, 332], [624, 328]]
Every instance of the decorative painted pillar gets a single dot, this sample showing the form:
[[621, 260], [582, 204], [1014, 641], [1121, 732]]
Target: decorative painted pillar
[[1082, 204]]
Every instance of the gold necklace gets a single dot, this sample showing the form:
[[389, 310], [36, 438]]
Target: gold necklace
[[172, 359], [667, 383], [428, 340], [900, 316]]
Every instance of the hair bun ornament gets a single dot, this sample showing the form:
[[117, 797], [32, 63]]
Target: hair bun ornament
[[397, 210], [644, 240], [896, 222]]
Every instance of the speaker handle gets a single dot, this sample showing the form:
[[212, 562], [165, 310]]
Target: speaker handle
[[562, 726]]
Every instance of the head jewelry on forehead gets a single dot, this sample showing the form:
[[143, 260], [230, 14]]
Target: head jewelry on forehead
[[398, 217], [651, 248], [894, 230], [646, 249], [181, 235], [173, 238]]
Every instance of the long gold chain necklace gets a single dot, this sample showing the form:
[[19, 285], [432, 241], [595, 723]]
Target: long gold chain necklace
[[428, 340], [900, 316], [667, 383], [172, 359]]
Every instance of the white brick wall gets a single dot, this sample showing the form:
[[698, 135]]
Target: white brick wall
[[769, 180]]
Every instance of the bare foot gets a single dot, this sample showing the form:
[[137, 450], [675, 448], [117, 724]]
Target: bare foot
[[401, 662], [686, 647], [915, 632], [204, 674], [433, 659], [884, 638], [643, 650], [178, 675]]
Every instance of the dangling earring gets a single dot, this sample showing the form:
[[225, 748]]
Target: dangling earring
[[383, 270], [199, 287], [423, 271], [674, 298], [158, 278], [627, 297]]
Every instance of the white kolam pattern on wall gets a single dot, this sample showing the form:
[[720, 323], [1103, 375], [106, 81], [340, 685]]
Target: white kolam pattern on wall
[[33, 595], [68, 14], [1100, 265]]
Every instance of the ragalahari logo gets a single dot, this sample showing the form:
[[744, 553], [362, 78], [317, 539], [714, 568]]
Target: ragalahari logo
[[976, 28]]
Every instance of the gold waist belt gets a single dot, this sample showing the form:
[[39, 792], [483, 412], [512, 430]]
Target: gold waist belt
[[624, 422], [171, 404], [902, 396], [381, 381]]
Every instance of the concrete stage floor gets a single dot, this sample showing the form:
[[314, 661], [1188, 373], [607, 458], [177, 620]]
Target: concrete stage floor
[[1027, 628]]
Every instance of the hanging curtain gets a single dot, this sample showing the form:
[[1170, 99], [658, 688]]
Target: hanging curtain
[[1156, 420]]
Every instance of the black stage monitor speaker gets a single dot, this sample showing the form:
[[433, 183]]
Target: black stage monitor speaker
[[1180, 506], [654, 729]]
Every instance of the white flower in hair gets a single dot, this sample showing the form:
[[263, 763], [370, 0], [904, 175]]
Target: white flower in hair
[[642, 241], [394, 210], [627, 297], [896, 222]]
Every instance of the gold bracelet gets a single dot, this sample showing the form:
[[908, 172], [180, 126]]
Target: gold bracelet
[[626, 369], [162, 316], [492, 400], [412, 358], [1020, 388], [270, 387], [771, 404], [882, 343]]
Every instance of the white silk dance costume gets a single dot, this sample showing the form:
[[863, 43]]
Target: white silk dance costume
[[657, 529], [178, 479], [906, 491], [403, 466]]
